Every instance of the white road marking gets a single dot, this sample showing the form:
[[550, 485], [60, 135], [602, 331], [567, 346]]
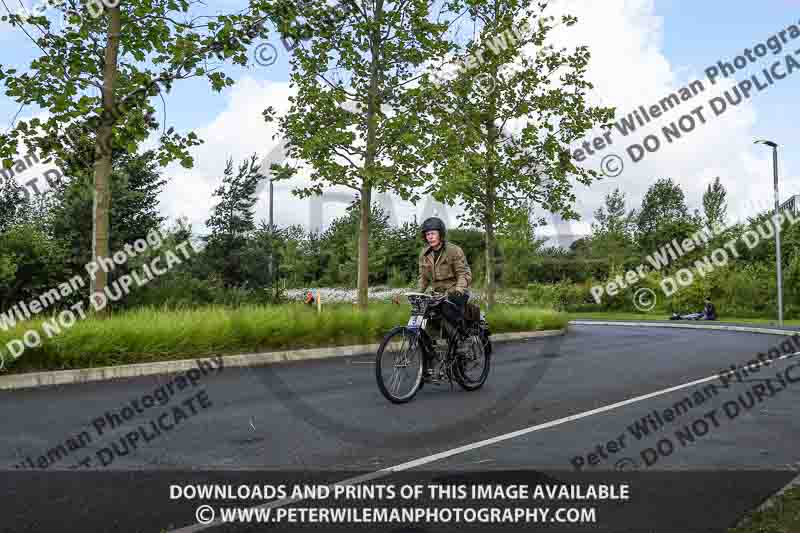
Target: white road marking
[[474, 446]]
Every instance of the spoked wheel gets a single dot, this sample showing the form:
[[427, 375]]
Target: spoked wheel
[[472, 367], [399, 365], [487, 343]]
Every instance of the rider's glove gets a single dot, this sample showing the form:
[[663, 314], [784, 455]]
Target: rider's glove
[[455, 291]]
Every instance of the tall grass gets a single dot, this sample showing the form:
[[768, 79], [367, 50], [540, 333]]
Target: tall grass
[[153, 334]]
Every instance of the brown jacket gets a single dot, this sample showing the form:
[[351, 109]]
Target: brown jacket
[[450, 271]]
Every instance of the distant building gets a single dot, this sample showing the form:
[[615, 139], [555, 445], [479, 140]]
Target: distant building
[[316, 204], [792, 204]]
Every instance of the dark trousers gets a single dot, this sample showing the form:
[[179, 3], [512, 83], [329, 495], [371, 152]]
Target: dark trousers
[[453, 313], [453, 309], [459, 304]]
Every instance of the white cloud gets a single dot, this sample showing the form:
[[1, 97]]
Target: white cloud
[[238, 132], [628, 69]]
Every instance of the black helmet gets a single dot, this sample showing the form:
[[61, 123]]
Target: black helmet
[[433, 224]]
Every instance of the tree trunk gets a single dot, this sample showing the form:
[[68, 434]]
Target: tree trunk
[[363, 247], [490, 260], [373, 104], [490, 218], [102, 162]]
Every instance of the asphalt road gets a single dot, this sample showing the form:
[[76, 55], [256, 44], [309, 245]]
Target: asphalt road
[[327, 419]]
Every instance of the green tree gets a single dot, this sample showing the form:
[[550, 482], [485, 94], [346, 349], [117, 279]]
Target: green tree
[[136, 183], [401, 247], [338, 247], [519, 246], [30, 262], [612, 233], [232, 221], [663, 216], [612, 218], [182, 285], [472, 241], [310, 249], [13, 202], [505, 123], [295, 265], [714, 207], [357, 119], [553, 264], [124, 53]]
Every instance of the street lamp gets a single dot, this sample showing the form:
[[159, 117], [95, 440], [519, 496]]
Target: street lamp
[[777, 228], [271, 204], [271, 234]]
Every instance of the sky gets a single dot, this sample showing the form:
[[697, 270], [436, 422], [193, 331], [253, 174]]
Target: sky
[[642, 51]]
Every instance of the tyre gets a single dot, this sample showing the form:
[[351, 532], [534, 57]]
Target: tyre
[[487, 343], [472, 369], [399, 364]]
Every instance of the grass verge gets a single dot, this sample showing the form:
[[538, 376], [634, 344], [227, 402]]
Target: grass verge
[[147, 335], [781, 517]]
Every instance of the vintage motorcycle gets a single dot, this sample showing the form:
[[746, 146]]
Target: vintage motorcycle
[[432, 347]]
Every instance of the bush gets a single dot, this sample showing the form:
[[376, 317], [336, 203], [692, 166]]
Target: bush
[[181, 290], [563, 296], [397, 280]]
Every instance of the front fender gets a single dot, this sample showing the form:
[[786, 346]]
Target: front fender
[[424, 338]]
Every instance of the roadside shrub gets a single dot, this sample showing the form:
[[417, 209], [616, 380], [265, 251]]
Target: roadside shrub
[[563, 296], [181, 290]]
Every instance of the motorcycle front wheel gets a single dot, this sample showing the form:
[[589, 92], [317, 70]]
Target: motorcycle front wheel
[[399, 365]]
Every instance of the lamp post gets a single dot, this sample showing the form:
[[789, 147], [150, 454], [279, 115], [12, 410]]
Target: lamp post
[[271, 203], [271, 234], [777, 228]]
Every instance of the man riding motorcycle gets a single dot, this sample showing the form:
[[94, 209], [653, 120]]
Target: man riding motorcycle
[[444, 267]]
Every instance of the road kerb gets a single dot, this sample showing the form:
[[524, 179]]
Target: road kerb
[[87, 375]]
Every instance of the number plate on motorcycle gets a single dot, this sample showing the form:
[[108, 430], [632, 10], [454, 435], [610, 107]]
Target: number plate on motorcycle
[[417, 321]]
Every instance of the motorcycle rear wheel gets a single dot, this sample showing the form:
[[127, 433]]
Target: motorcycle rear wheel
[[476, 355]]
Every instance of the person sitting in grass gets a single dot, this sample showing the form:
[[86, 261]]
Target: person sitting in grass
[[709, 312]]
